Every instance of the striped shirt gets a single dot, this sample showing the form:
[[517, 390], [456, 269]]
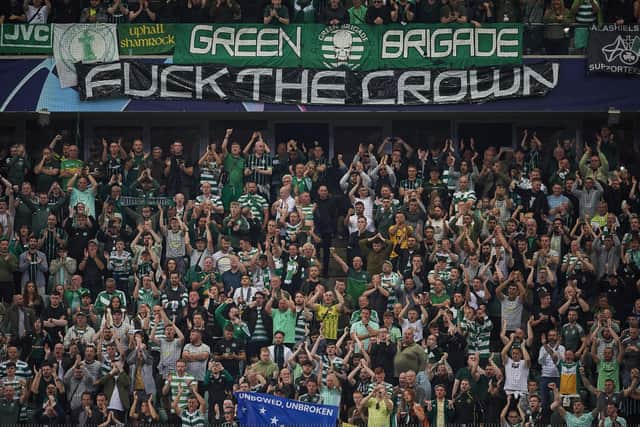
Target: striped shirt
[[210, 172], [586, 13], [481, 337], [144, 268], [174, 299], [386, 385], [107, 364], [159, 334], [193, 419], [408, 184], [263, 162], [570, 258], [215, 200], [50, 244], [301, 323], [463, 196], [14, 383], [120, 262], [307, 211], [183, 381], [443, 275], [259, 332], [256, 203], [103, 300], [145, 296], [23, 371], [291, 231], [246, 256], [336, 362]]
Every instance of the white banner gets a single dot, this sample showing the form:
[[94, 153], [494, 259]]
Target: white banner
[[86, 43]]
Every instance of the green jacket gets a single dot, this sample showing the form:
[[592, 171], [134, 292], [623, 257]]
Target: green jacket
[[40, 213], [109, 383], [433, 414], [240, 331]]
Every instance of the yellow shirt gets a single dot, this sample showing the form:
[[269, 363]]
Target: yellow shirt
[[440, 410], [378, 413], [398, 237], [328, 316], [568, 378]]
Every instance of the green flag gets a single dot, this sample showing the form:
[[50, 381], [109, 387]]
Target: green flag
[[26, 39], [146, 39]]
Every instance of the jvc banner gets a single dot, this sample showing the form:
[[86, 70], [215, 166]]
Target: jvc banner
[[614, 49], [258, 409], [146, 39], [26, 38], [321, 87], [350, 47]]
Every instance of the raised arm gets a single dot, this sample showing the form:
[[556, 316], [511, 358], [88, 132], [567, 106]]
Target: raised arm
[[343, 265], [556, 406], [504, 354]]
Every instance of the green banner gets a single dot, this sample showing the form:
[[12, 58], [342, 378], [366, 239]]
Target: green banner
[[354, 47], [146, 39], [240, 45], [450, 46], [26, 39], [313, 46]]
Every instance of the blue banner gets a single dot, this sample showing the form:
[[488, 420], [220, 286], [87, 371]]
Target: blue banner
[[257, 409]]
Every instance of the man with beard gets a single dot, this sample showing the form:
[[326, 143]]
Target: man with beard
[[33, 265]]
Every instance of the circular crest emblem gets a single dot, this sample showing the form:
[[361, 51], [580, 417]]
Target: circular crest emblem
[[86, 44], [343, 46]]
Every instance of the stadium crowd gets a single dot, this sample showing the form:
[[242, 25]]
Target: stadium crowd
[[497, 287], [328, 12]]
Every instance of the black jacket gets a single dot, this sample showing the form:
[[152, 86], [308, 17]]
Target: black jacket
[[325, 215], [250, 316], [296, 281]]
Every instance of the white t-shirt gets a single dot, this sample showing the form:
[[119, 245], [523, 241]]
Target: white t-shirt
[[417, 327], [41, 14], [516, 375]]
